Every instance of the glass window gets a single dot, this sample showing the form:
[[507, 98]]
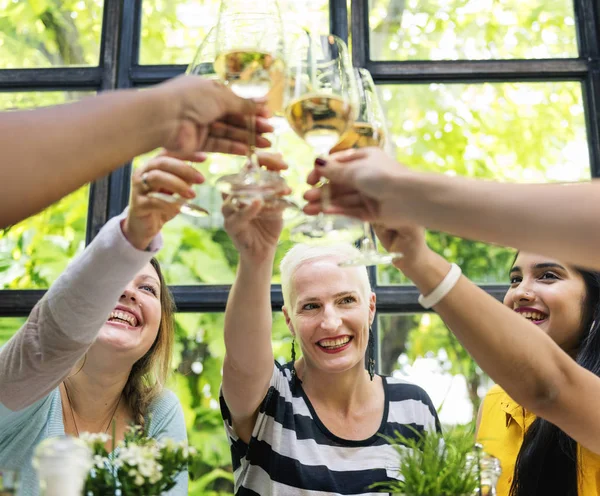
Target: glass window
[[172, 30], [519, 132], [198, 361], [470, 29], [47, 33], [420, 348], [34, 252]]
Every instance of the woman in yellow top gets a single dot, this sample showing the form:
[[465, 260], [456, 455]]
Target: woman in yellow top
[[536, 456]]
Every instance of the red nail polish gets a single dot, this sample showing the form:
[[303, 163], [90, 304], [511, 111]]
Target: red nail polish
[[320, 162]]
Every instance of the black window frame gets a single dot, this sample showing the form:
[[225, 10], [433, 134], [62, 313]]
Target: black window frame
[[119, 68]]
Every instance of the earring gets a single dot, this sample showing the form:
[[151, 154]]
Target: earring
[[371, 351], [293, 364]]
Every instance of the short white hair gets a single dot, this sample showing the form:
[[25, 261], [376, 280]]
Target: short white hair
[[302, 253]]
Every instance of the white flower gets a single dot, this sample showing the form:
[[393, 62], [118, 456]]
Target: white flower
[[100, 461], [95, 438]]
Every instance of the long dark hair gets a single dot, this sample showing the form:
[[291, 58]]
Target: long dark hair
[[547, 462]]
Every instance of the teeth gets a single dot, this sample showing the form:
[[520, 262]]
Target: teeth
[[330, 343], [533, 315], [124, 316]]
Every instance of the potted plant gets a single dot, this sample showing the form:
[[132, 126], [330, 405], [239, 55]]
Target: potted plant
[[435, 464]]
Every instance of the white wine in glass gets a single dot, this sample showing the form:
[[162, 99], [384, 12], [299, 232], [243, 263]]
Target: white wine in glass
[[369, 129], [249, 58], [320, 107]]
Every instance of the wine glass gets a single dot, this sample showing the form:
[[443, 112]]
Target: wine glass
[[213, 61], [369, 129], [321, 101], [250, 60]]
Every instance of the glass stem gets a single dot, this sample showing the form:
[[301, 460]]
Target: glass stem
[[368, 244], [252, 162]]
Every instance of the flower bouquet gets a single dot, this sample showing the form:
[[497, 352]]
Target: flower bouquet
[[138, 466]]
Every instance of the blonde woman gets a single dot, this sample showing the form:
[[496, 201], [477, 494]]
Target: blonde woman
[[315, 425]]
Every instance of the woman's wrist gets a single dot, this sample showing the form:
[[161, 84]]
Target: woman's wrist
[[428, 272], [166, 112], [138, 240]]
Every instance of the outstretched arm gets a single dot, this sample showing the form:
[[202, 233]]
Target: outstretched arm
[[515, 353], [557, 220], [249, 363], [65, 322], [48, 153]]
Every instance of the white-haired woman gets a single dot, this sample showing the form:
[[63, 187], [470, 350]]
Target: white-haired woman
[[313, 426]]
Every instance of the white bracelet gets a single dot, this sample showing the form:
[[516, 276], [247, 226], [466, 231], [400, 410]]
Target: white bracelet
[[442, 289]]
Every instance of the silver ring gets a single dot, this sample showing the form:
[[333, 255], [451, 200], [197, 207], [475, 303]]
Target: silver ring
[[145, 182]]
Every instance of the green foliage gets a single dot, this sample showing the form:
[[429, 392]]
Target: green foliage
[[462, 29], [433, 464], [501, 131]]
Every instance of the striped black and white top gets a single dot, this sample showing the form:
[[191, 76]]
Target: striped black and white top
[[291, 452]]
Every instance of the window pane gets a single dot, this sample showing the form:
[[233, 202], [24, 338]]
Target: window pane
[[172, 30], [469, 29], [519, 132], [421, 349], [49, 33], [35, 251], [198, 361]]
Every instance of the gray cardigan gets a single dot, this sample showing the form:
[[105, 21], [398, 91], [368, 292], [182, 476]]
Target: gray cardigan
[[58, 332]]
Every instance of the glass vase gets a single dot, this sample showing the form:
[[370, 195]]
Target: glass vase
[[62, 464]]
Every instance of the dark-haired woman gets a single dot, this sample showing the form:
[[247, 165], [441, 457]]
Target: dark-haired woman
[[549, 303], [536, 456]]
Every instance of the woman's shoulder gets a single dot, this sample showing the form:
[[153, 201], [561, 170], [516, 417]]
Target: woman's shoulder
[[165, 416], [166, 403], [496, 395], [165, 399], [401, 389]]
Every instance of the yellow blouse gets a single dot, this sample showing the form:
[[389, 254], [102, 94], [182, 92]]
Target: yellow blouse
[[501, 431]]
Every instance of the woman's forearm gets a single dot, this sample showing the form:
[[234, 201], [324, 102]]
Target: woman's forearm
[[48, 153], [248, 362], [557, 220], [512, 351]]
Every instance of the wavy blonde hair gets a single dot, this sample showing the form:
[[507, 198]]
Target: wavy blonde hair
[[150, 373]]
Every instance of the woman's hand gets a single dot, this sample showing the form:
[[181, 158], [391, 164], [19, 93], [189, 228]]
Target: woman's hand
[[208, 116], [254, 228], [146, 215], [362, 186], [408, 240]]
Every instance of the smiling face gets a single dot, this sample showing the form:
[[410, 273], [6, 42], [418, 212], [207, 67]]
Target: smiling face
[[549, 294], [133, 324], [330, 314]]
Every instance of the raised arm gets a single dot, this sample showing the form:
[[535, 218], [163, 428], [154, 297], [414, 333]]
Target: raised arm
[[249, 362], [515, 353], [66, 320], [50, 152], [560, 220]]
